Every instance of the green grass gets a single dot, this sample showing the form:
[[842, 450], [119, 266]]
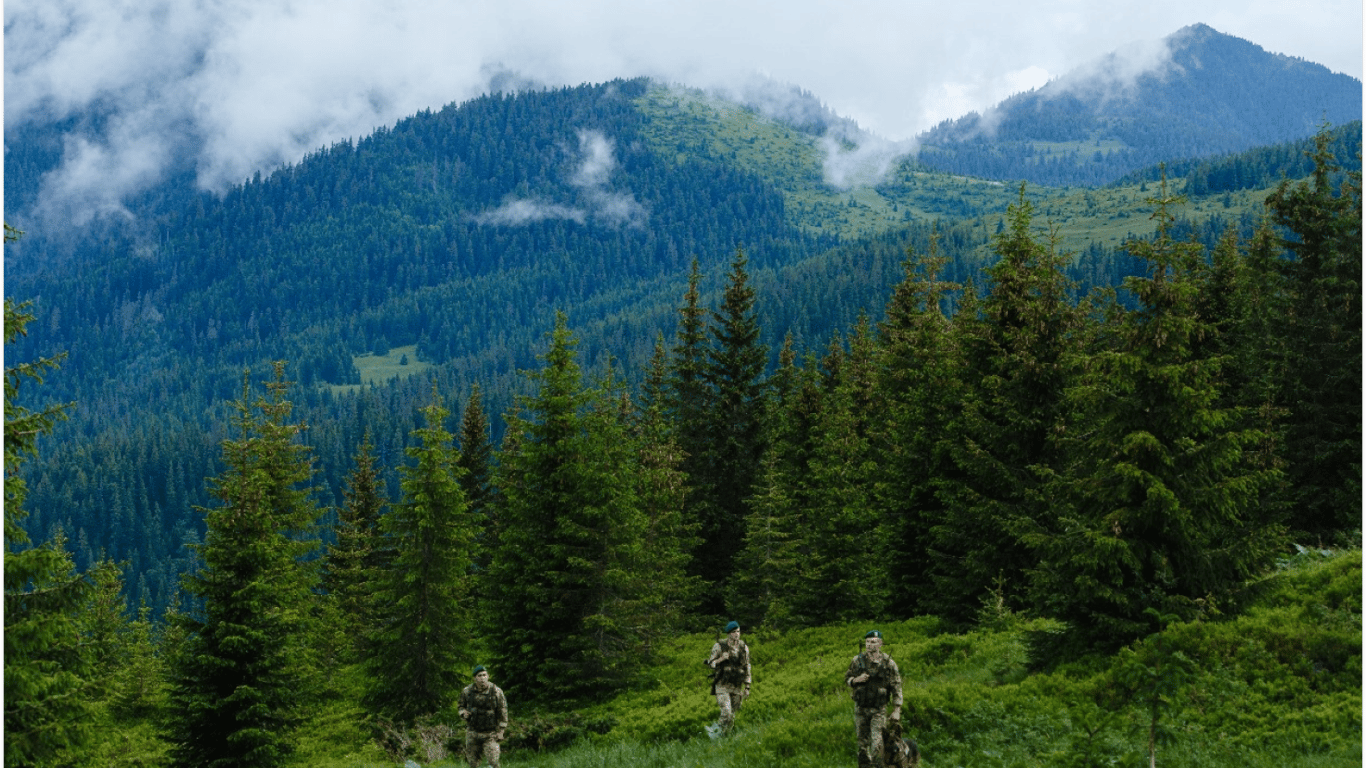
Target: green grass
[[1277, 686], [686, 123], [399, 363]]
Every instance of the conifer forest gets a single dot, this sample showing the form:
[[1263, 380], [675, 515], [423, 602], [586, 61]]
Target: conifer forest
[[230, 543]]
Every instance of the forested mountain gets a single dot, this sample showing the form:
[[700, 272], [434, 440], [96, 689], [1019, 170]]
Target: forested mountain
[[453, 237], [698, 371], [1207, 93]]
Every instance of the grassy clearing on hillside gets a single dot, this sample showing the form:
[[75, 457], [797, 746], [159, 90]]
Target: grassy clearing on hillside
[[1276, 687], [399, 363], [688, 123]]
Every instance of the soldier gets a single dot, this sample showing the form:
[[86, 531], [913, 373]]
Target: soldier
[[874, 680], [731, 678], [485, 712]]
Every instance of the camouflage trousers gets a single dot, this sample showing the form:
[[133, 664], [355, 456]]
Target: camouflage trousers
[[481, 746], [869, 723], [728, 699]]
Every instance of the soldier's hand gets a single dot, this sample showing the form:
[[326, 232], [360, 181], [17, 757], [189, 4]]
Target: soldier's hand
[[464, 714], [499, 736], [896, 714], [863, 678]]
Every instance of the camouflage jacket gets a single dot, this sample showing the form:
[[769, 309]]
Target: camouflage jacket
[[883, 683], [734, 670], [488, 708]]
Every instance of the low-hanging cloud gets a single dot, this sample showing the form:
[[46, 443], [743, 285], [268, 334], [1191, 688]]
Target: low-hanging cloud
[[597, 161], [227, 88]]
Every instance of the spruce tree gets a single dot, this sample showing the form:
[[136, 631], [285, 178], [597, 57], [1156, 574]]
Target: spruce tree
[[46, 714], [1156, 508], [417, 659], [242, 678], [765, 582], [670, 538], [847, 547], [570, 566], [733, 447], [683, 397], [476, 465], [1321, 389], [1018, 347], [918, 378], [361, 556]]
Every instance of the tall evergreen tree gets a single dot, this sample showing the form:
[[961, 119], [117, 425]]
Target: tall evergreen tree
[[1156, 508], [564, 578], [768, 564], [242, 677], [919, 380], [845, 575], [417, 658], [476, 465], [669, 536], [733, 374], [1017, 347], [361, 556], [684, 400], [45, 669], [1321, 391]]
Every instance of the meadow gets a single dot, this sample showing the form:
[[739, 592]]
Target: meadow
[[1276, 686]]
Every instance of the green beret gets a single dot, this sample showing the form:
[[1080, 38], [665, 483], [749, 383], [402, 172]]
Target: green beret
[[477, 670], [731, 627], [873, 633]]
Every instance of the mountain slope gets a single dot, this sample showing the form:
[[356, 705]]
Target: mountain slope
[[1210, 93]]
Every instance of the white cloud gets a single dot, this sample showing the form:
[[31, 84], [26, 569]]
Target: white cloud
[[597, 161], [230, 87]]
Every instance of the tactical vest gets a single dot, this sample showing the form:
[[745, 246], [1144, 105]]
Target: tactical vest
[[483, 707], [731, 672], [876, 691]]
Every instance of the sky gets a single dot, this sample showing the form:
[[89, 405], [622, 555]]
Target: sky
[[240, 86]]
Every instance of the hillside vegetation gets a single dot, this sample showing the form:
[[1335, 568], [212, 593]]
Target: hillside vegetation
[[1278, 686], [552, 381]]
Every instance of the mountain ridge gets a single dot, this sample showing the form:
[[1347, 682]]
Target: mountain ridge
[[1212, 93]]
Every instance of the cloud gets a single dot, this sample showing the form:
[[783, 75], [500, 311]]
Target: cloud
[[597, 161], [227, 88], [516, 213]]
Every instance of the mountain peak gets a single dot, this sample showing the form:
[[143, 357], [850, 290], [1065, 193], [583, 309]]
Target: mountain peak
[[1196, 92]]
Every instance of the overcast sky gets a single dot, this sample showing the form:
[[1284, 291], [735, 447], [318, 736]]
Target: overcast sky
[[244, 85]]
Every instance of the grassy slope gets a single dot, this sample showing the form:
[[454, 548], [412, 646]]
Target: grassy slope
[[1279, 685], [686, 122]]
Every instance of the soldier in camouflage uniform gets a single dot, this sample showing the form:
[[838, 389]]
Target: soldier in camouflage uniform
[[731, 679], [485, 712], [875, 681]]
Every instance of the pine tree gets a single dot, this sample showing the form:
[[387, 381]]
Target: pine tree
[[767, 566], [1155, 509], [845, 574], [683, 398], [671, 593], [1017, 346], [361, 556], [45, 669], [476, 464], [733, 448], [919, 380], [566, 578], [416, 660], [1321, 391], [243, 676]]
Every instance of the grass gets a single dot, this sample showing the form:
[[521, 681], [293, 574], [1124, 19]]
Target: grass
[[1277, 686], [398, 363], [687, 124]]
